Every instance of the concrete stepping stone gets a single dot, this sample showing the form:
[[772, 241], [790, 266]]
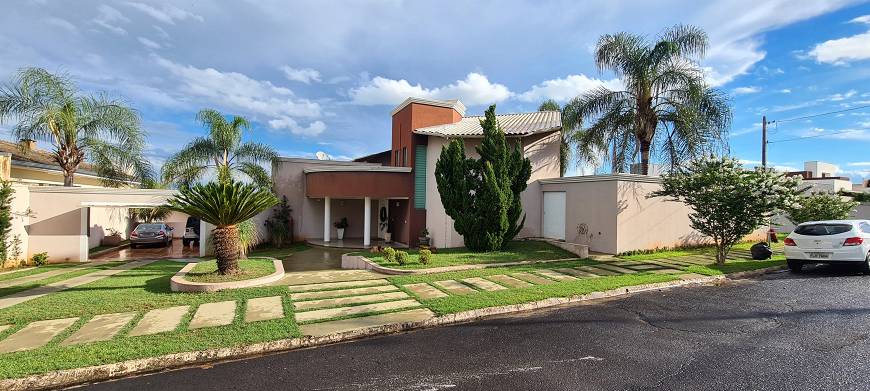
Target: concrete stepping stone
[[160, 320], [5, 327], [100, 328], [221, 313], [509, 281], [643, 266], [675, 261], [529, 277], [555, 275], [666, 264], [344, 325], [329, 313], [617, 269], [667, 271], [264, 308], [425, 291], [454, 287], [697, 259], [576, 273], [35, 335], [345, 301], [484, 285], [620, 263], [39, 276], [336, 285], [343, 292], [595, 270]]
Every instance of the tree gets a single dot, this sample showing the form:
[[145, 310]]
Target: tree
[[279, 224], [80, 128], [150, 215], [483, 195], [224, 205], [666, 107], [564, 146], [727, 201], [7, 193], [820, 206], [222, 151]]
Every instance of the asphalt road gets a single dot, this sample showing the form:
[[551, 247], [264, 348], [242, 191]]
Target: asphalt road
[[780, 332]]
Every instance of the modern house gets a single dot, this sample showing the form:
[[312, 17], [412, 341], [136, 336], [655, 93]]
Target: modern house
[[395, 190]]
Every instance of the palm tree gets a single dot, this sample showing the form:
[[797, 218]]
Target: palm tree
[[666, 107], [222, 151], [80, 128], [564, 146], [224, 205]]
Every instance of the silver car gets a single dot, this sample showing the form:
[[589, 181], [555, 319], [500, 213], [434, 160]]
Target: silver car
[[151, 233]]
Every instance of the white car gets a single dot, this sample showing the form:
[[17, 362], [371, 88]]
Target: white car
[[831, 241]]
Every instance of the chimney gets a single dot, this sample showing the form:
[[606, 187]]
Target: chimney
[[28, 144]]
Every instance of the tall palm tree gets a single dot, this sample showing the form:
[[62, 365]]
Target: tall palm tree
[[564, 142], [666, 107], [222, 152], [224, 205], [80, 128]]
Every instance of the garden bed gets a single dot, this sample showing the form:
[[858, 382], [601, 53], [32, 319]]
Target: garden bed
[[514, 251], [203, 276]]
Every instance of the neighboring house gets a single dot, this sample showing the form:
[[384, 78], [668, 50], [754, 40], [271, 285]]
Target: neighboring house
[[37, 167], [396, 189], [821, 177]]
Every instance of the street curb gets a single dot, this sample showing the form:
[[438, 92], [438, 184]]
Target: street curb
[[70, 377]]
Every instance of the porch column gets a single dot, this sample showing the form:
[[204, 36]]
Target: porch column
[[84, 227], [367, 222], [326, 219]]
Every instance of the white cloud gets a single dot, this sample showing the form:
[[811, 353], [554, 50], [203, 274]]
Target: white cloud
[[304, 75], [108, 18], [785, 91], [751, 129], [861, 19], [287, 123], [149, 43], [564, 89], [747, 90], [844, 50], [161, 32], [842, 134], [62, 23], [858, 164], [840, 96], [167, 13], [475, 89]]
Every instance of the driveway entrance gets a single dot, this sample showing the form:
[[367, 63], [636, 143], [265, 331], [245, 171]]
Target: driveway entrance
[[176, 250]]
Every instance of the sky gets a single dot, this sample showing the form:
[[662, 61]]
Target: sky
[[324, 75]]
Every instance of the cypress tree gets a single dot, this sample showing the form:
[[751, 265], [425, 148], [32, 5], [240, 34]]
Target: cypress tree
[[483, 195]]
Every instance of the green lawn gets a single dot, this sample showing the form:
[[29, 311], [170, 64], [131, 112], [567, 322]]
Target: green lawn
[[35, 270], [206, 271], [514, 251], [700, 250], [64, 276], [137, 290]]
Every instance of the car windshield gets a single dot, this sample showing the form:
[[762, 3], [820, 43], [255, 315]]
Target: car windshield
[[149, 227], [822, 229]]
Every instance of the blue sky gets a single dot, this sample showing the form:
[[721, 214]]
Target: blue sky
[[323, 76]]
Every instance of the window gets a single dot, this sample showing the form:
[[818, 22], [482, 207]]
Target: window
[[865, 227], [822, 229], [404, 156]]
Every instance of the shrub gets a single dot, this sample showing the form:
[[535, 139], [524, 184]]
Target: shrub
[[402, 257], [820, 206], [425, 256], [279, 223], [390, 254], [39, 259]]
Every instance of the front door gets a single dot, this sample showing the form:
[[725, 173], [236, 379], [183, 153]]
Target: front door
[[554, 215]]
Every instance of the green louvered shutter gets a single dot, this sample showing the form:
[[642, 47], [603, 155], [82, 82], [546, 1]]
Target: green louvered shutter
[[420, 177]]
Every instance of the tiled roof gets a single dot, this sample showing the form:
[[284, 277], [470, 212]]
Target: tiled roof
[[454, 104], [36, 157], [522, 124]]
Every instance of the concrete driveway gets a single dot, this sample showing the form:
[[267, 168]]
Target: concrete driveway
[[154, 251]]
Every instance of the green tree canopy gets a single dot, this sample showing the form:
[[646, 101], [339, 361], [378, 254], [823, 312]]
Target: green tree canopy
[[483, 195], [666, 108], [820, 206], [80, 128]]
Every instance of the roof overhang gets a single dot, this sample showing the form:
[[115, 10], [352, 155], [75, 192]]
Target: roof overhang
[[384, 182], [450, 104]]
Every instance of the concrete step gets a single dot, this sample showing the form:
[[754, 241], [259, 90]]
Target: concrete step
[[351, 300], [336, 285], [343, 292], [344, 325], [309, 316]]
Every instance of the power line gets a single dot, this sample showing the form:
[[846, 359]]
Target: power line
[[814, 136], [818, 115]]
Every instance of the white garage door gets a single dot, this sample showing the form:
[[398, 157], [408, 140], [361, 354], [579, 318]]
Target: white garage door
[[554, 215]]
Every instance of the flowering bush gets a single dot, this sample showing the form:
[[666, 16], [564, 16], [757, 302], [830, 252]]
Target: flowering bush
[[821, 206], [729, 202]]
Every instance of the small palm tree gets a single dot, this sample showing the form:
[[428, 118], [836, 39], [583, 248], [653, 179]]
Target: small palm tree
[[222, 151], [224, 205], [80, 128], [666, 107]]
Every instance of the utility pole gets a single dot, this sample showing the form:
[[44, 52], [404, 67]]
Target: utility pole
[[764, 142]]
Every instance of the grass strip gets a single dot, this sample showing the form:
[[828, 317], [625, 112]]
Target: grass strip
[[36, 270], [514, 251], [60, 277], [207, 271]]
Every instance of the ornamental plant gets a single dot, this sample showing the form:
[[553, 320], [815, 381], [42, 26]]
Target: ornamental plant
[[402, 258], [425, 256], [727, 201], [482, 196], [821, 206], [389, 255]]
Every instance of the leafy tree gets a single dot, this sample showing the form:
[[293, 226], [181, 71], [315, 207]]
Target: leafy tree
[[150, 215], [79, 128], [666, 108], [820, 206], [222, 152], [564, 146], [224, 205], [727, 201], [483, 195], [279, 223], [6, 195]]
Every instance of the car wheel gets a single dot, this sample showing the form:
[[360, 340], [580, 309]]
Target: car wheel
[[795, 266], [865, 266]]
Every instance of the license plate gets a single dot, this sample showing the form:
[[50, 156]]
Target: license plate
[[819, 255]]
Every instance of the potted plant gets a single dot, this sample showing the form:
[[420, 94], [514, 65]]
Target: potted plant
[[388, 234], [339, 228], [424, 237], [112, 239]]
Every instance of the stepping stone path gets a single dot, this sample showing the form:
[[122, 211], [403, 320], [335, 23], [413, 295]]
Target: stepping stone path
[[595, 270], [577, 273], [555, 275], [264, 308], [336, 285], [316, 315], [529, 277], [214, 314], [454, 287], [344, 325], [425, 291], [343, 292], [509, 281], [617, 269], [160, 321], [343, 301], [642, 266], [484, 285], [100, 328], [40, 276], [35, 334]]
